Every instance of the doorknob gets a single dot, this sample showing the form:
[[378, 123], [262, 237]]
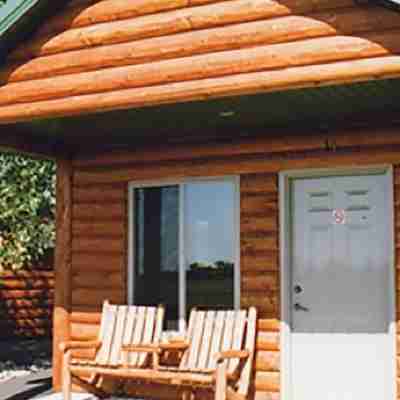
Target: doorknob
[[297, 289], [299, 307]]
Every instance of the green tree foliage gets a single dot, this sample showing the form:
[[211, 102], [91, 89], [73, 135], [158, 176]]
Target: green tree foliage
[[27, 208]]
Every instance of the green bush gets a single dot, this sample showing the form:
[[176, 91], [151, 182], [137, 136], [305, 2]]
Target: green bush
[[27, 209]]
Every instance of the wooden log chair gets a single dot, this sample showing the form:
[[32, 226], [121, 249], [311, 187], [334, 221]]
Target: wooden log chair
[[217, 353], [128, 340]]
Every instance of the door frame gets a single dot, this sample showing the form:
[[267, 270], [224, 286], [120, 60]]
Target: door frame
[[285, 221]]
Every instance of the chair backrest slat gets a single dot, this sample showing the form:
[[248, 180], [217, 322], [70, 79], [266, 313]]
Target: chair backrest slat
[[245, 376], [137, 335], [110, 317], [238, 334], [194, 348], [189, 337], [129, 327], [118, 336], [205, 346], [159, 324], [216, 339], [228, 331], [148, 332]]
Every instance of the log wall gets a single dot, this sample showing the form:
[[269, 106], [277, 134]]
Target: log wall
[[148, 53], [26, 303], [100, 217]]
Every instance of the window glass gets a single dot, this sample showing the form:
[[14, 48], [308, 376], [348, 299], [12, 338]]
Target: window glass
[[209, 235], [184, 263], [157, 251]]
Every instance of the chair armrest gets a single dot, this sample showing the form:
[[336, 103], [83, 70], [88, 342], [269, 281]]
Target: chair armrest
[[73, 345], [145, 348], [225, 355], [174, 346]]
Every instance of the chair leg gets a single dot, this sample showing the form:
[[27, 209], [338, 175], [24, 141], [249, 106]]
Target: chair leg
[[221, 381], [66, 375]]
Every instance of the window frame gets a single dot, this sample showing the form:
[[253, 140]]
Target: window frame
[[132, 186]]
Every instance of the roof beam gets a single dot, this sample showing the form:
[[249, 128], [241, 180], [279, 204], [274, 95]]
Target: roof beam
[[15, 140]]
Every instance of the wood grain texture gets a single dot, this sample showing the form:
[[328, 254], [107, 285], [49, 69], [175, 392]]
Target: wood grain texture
[[211, 65], [62, 298], [106, 55], [260, 285], [295, 27], [334, 73], [161, 24], [88, 12]]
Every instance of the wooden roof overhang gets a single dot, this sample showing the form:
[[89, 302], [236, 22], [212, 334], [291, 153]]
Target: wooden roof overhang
[[321, 109], [112, 73]]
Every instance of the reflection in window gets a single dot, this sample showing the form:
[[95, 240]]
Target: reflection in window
[[184, 247], [157, 259], [209, 244]]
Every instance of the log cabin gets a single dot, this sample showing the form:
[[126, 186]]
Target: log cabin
[[222, 153]]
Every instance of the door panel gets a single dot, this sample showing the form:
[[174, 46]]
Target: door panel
[[341, 346]]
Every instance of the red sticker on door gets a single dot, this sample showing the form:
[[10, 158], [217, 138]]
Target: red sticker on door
[[339, 216]]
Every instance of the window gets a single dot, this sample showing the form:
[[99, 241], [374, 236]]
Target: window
[[184, 246]]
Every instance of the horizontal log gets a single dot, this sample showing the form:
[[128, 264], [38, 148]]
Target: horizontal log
[[259, 282], [81, 331], [261, 242], [278, 56], [93, 229], [95, 297], [347, 22], [267, 302], [92, 318], [83, 353], [38, 283], [105, 194], [268, 325], [267, 204], [100, 280], [259, 264], [26, 313], [273, 141], [246, 164], [17, 294], [17, 303], [268, 341], [254, 183], [99, 212], [94, 263], [267, 381], [267, 361], [83, 13], [26, 274], [240, 84], [103, 245], [250, 224], [167, 23]]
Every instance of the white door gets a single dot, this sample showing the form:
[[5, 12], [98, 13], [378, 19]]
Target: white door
[[341, 341]]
